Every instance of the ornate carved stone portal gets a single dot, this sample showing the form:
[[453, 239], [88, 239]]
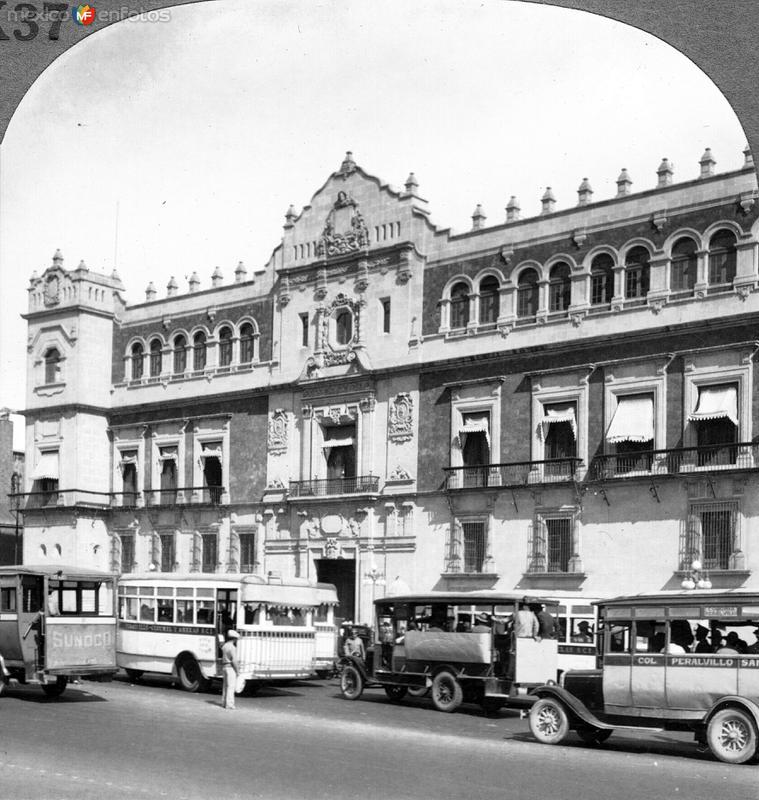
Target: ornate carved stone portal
[[401, 422], [344, 229], [278, 428]]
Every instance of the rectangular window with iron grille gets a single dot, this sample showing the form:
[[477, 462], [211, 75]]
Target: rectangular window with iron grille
[[247, 552], [127, 552], [558, 544], [168, 552], [473, 542], [712, 536], [210, 551]]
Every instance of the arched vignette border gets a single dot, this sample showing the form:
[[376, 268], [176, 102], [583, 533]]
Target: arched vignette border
[[702, 30]]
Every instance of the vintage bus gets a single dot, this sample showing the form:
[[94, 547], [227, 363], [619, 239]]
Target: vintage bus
[[175, 624], [56, 623], [683, 660], [460, 646], [576, 627]]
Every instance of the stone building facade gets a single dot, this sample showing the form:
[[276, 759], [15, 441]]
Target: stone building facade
[[564, 402]]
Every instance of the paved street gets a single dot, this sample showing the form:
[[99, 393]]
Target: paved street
[[119, 740]]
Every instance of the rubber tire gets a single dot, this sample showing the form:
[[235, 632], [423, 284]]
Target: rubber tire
[[549, 722], [351, 682], [418, 691], [447, 694], [396, 692], [134, 674], [56, 689], [593, 736], [190, 677], [738, 723]]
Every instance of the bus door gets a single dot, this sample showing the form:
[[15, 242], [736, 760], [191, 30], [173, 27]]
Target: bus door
[[10, 641], [226, 614], [647, 682], [617, 659], [30, 621]]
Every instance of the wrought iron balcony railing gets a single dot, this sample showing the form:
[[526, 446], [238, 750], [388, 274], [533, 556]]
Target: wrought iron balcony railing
[[707, 458], [185, 496], [323, 487], [518, 473], [60, 498]]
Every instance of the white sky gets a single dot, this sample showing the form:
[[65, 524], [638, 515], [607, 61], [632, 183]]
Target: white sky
[[203, 129]]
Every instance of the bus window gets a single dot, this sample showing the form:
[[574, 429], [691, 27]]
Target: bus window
[[8, 599], [128, 608], [89, 599], [205, 612], [649, 636], [619, 636], [105, 599], [32, 599], [321, 613], [165, 609], [147, 609], [67, 598], [184, 612], [582, 631]]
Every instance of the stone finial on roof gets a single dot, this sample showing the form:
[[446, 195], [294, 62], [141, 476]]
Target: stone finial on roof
[[194, 282], [217, 278], [57, 259], [624, 183], [290, 217], [748, 158], [240, 272], [707, 163], [478, 218], [412, 184], [150, 293], [82, 267], [548, 201], [348, 165], [584, 193], [34, 277], [665, 173], [172, 287], [512, 209]]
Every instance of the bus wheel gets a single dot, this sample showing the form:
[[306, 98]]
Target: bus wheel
[[351, 683], [396, 692], [591, 735], [732, 736], [447, 694], [548, 721], [190, 677], [419, 691], [134, 674], [56, 689]]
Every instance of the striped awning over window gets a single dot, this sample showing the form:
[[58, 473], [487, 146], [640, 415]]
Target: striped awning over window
[[475, 423], [558, 413], [633, 420], [716, 402], [47, 467]]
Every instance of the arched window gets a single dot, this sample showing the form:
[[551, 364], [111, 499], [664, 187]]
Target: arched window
[[344, 327], [199, 351], [527, 294], [601, 280], [682, 275], [560, 287], [637, 273], [137, 356], [180, 355], [156, 359], [489, 300], [225, 347], [52, 365], [247, 342], [459, 306], [722, 257]]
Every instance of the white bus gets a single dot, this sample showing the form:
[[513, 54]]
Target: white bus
[[576, 633], [326, 631], [175, 624]]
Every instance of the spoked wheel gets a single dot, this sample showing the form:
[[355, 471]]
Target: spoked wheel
[[56, 689], [191, 679], [548, 721], [351, 683], [592, 735], [134, 674], [447, 694], [732, 736], [396, 692], [418, 691]]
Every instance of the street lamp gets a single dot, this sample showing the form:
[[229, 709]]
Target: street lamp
[[698, 577]]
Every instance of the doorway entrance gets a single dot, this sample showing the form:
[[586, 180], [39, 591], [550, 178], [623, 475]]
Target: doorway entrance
[[342, 573]]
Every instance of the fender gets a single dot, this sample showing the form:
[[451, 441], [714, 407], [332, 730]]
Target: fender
[[357, 663], [576, 706], [735, 700]]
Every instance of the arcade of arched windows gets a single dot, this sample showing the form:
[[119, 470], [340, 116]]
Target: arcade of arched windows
[[184, 354], [689, 265]]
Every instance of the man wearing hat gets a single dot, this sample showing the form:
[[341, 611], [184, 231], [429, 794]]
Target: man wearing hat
[[230, 668]]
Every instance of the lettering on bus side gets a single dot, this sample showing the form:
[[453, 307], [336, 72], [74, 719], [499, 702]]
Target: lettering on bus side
[[185, 631], [81, 641], [720, 611]]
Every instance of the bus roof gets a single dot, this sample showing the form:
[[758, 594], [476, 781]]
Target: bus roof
[[681, 596], [56, 571], [467, 598]]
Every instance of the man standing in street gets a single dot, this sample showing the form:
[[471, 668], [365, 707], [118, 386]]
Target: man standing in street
[[230, 668]]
